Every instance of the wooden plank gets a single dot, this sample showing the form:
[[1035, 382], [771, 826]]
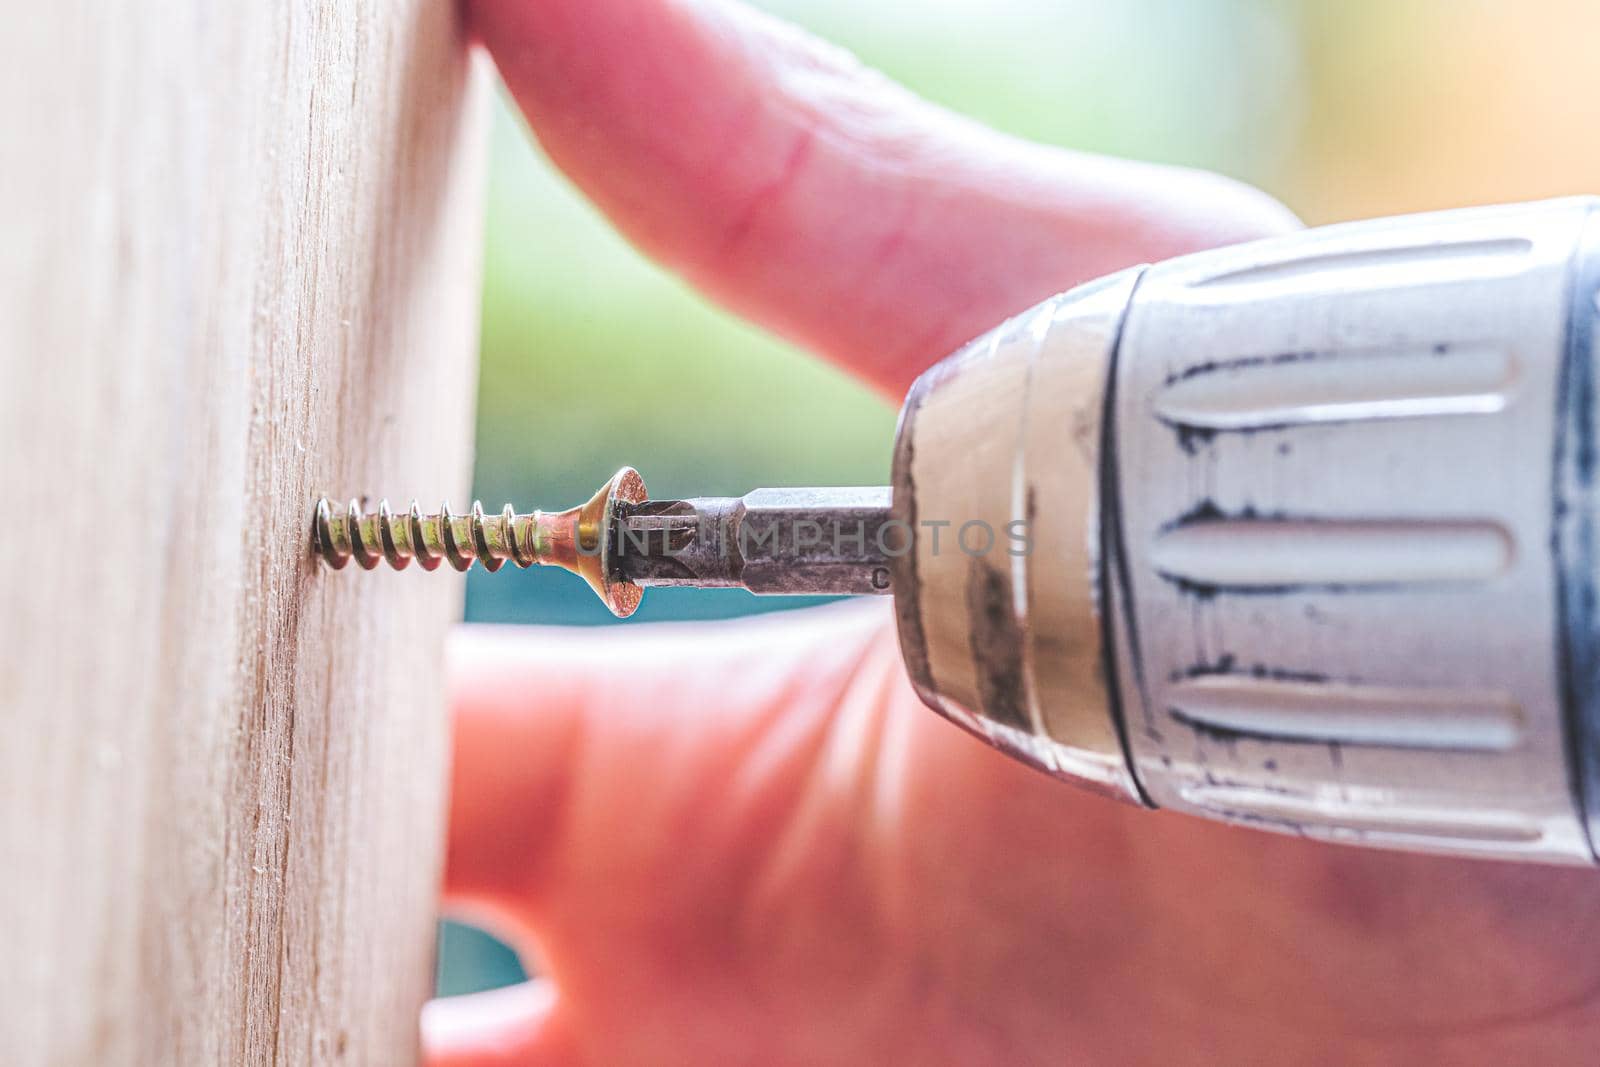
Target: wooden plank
[[240, 270]]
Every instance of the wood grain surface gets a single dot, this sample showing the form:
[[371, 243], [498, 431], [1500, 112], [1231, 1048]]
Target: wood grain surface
[[239, 270]]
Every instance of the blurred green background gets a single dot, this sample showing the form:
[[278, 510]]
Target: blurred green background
[[1343, 110]]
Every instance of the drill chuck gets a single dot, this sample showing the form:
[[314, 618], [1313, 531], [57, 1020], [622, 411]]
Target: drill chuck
[[1314, 534]]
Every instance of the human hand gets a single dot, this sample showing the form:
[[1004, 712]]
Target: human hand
[[749, 842]]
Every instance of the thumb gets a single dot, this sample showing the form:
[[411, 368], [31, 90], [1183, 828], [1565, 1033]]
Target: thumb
[[580, 760], [513, 1026], [617, 802]]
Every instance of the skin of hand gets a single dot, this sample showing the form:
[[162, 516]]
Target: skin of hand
[[749, 843]]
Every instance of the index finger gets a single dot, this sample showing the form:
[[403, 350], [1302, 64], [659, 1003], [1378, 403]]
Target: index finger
[[818, 198]]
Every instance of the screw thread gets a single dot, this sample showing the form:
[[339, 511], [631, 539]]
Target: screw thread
[[373, 537]]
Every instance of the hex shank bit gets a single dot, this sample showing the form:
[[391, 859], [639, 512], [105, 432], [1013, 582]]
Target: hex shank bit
[[770, 541]]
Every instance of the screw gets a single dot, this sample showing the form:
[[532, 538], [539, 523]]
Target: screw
[[577, 539]]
